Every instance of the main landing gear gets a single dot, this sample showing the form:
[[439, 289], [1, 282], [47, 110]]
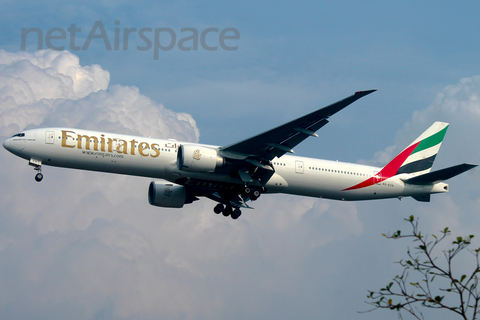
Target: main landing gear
[[246, 193], [227, 211]]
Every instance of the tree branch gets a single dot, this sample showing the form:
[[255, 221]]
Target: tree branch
[[403, 291]]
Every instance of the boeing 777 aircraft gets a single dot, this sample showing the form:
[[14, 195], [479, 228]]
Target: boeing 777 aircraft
[[238, 173]]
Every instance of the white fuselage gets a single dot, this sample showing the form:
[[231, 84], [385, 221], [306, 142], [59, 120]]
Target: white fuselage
[[157, 158]]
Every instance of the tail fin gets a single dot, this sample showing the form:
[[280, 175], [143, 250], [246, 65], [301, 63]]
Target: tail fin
[[418, 157], [424, 150]]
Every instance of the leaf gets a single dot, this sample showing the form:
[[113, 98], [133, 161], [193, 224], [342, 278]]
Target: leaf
[[390, 302], [438, 299], [463, 278]]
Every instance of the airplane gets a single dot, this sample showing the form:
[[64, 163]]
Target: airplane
[[236, 174]]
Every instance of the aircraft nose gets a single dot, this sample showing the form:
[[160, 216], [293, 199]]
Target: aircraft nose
[[7, 144]]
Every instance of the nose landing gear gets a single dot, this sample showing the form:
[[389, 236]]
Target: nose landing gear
[[38, 177], [37, 166]]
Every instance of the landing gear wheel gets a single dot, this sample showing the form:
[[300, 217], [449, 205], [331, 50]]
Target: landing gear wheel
[[218, 208], [38, 168], [227, 211], [255, 194], [236, 213], [245, 193], [38, 177]]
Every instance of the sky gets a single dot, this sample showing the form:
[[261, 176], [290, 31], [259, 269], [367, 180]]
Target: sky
[[87, 245]]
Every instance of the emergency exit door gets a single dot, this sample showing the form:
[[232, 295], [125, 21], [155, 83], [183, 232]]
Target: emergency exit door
[[298, 166], [49, 137]]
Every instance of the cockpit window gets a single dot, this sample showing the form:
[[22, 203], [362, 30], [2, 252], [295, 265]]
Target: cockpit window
[[19, 135]]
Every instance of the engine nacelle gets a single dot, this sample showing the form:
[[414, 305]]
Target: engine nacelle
[[195, 158], [166, 195]]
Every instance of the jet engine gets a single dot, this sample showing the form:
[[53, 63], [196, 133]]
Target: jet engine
[[195, 158], [167, 195]]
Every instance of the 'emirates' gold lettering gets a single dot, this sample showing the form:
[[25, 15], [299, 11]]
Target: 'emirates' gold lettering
[[133, 144], [88, 139], [109, 144], [102, 143], [156, 149], [65, 135], [142, 146], [122, 148]]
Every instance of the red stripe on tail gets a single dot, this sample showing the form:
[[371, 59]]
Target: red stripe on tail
[[388, 171]]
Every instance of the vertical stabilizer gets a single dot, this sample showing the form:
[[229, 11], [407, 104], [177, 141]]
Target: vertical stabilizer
[[422, 152]]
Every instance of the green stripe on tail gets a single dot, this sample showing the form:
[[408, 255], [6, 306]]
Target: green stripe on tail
[[431, 141], [428, 144]]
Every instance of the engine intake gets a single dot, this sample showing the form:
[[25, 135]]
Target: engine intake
[[167, 195], [195, 158]]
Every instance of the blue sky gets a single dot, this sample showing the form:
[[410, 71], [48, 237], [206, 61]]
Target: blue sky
[[98, 250]]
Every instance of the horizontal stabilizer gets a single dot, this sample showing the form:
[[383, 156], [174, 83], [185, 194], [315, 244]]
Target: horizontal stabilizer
[[422, 197], [440, 175]]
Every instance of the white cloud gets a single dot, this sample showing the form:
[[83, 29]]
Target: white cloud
[[49, 75], [51, 88]]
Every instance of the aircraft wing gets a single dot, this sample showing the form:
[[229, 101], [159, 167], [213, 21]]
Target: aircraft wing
[[280, 140]]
